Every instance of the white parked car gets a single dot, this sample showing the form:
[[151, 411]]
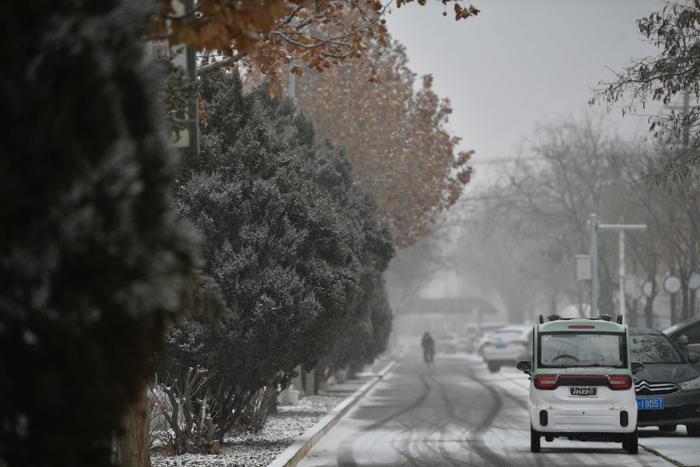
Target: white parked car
[[447, 344], [506, 346]]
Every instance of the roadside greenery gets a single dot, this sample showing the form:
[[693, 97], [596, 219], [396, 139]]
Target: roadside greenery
[[396, 135], [97, 261], [292, 246], [670, 78], [92, 258]]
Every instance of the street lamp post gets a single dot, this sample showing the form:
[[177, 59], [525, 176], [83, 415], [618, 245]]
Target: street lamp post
[[594, 264], [621, 228]]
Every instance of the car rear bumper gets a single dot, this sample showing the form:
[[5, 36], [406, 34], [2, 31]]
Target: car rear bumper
[[610, 412], [680, 408], [584, 420], [505, 355], [587, 436]]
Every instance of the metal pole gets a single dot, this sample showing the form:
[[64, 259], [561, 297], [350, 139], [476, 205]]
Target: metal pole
[[594, 265], [594, 257], [672, 301], [623, 308], [292, 84]]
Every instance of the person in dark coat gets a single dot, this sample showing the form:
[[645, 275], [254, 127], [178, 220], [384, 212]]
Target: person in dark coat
[[428, 345]]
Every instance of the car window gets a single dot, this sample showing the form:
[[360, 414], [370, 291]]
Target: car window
[[672, 330], [569, 349], [690, 330], [508, 335], [693, 333], [653, 348]]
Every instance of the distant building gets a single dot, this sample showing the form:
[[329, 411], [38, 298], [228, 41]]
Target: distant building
[[444, 316]]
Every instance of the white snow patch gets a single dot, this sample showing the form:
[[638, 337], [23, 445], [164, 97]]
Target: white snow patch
[[281, 429]]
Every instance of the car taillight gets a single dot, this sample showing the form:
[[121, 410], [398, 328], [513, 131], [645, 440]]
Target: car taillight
[[620, 382], [546, 381]]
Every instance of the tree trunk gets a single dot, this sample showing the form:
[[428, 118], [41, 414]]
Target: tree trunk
[[649, 312], [553, 303], [632, 317], [685, 311], [133, 446]]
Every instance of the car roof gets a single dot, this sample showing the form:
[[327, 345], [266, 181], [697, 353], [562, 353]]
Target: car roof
[[515, 327], [678, 327], [645, 331], [568, 325]]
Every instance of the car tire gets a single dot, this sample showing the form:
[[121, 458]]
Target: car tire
[[631, 443], [693, 430], [668, 428], [535, 445], [494, 367]]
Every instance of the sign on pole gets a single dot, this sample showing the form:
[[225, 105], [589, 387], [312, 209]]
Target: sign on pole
[[694, 281], [184, 58], [583, 267], [672, 284], [633, 287]]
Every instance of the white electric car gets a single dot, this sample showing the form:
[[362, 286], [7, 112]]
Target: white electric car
[[581, 384]]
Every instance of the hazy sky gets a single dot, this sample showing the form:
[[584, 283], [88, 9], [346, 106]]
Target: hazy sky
[[518, 63], [521, 62]]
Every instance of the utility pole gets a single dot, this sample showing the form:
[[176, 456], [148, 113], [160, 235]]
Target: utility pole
[[595, 226], [292, 85], [594, 264], [672, 301]]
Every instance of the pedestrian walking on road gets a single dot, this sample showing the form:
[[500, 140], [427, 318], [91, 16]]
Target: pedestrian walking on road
[[428, 345]]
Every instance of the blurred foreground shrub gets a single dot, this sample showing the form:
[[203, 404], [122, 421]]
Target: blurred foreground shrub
[[90, 262]]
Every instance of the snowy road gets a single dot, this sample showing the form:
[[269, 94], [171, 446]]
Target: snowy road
[[458, 414]]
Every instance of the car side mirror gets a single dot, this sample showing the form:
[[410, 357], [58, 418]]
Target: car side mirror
[[637, 367], [693, 357], [524, 366]]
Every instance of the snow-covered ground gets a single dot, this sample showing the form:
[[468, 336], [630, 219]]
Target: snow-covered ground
[[676, 447], [259, 449]]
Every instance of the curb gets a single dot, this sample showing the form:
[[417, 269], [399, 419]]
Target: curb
[[291, 456], [664, 457]]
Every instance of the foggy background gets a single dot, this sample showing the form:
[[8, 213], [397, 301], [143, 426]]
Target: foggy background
[[513, 69], [521, 62]]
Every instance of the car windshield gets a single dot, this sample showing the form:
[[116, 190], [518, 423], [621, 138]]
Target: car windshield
[[653, 348], [507, 335], [673, 329], [570, 349]]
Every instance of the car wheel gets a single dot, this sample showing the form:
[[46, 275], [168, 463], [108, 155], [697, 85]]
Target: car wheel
[[668, 428], [494, 367], [693, 430], [534, 440], [631, 443]]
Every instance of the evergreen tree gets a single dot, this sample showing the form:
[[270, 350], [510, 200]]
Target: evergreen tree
[[290, 243], [91, 260], [285, 258]]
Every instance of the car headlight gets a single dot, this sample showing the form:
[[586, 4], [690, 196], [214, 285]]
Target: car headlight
[[690, 385]]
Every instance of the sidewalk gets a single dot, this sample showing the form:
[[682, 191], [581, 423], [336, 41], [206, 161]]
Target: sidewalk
[[280, 432], [676, 448], [302, 445]]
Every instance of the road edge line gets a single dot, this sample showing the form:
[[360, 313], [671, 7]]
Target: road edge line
[[301, 446], [663, 456]]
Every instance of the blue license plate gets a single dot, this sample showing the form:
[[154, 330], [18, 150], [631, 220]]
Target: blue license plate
[[501, 346], [650, 404]]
